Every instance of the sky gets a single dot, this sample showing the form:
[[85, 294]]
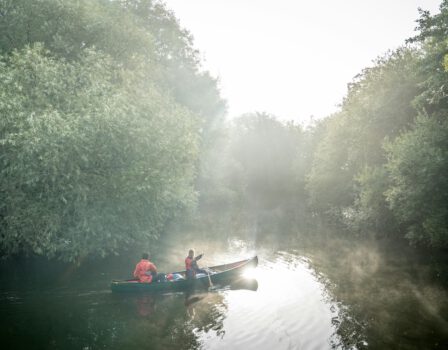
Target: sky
[[293, 58]]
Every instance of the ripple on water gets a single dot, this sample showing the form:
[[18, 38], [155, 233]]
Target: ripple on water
[[288, 311]]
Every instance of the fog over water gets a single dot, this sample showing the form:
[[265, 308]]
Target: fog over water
[[307, 296]]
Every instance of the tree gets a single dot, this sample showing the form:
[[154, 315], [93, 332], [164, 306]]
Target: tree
[[98, 152], [378, 107], [418, 159], [329, 182], [418, 164]]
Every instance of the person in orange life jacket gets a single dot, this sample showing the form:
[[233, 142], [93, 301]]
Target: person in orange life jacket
[[146, 272], [191, 264]]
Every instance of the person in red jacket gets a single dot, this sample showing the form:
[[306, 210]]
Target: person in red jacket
[[145, 271], [191, 264]]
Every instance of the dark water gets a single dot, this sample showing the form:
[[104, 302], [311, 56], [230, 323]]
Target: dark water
[[341, 295]]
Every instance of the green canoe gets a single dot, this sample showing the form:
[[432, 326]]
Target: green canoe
[[220, 274]]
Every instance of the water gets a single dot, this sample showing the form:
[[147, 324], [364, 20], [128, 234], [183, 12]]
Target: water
[[340, 296]]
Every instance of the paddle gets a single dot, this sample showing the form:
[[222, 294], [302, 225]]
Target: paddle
[[210, 284]]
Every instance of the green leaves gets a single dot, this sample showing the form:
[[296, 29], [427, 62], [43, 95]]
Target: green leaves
[[101, 109], [418, 164], [93, 159], [382, 160], [378, 106]]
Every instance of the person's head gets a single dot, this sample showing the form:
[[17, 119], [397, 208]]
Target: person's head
[[145, 256], [191, 253]]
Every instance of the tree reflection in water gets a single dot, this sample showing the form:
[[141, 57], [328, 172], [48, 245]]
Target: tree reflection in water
[[74, 319], [171, 321], [178, 320]]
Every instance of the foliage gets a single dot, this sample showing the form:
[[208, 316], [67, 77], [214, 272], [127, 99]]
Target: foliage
[[418, 165], [329, 181], [381, 162], [90, 160], [378, 106], [371, 213], [434, 47], [99, 150], [418, 160], [133, 32]]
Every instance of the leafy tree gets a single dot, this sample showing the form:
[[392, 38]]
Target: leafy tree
[[330, 179], [180, 73], [434, 47], [371, 213], [418, 164], [418, 159], [98, 150], [141, 34], [378, 106], [90, 160]]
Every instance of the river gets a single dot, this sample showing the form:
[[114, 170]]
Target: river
[[338, 295]]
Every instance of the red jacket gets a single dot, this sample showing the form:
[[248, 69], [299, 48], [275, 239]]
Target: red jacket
[[142, 269]]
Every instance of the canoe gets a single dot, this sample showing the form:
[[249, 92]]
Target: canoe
[[220, 274]]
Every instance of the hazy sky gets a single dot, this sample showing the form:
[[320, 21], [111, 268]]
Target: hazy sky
[[293, 58]]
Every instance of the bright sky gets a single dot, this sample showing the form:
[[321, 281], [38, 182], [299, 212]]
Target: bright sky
[[293, 58]]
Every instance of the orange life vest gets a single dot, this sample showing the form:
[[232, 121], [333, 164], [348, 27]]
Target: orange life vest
[[142, 269], [190, 267], [188, 263]]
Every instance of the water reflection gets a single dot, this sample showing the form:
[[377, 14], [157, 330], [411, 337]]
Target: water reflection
[[279, 307], [345, 297], [385, 294], [145, 305]]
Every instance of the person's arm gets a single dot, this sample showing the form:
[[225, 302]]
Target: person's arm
[[153, 268], [198, 257]]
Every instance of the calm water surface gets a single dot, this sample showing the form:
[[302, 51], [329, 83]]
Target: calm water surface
[[296, 298]]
